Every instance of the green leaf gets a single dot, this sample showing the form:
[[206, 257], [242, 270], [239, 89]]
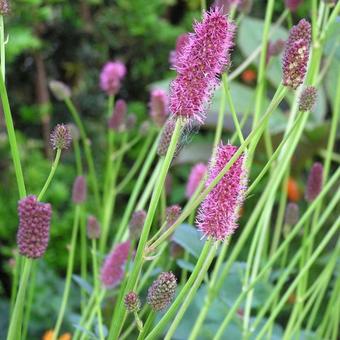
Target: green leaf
[[82, 283], [189, 238]]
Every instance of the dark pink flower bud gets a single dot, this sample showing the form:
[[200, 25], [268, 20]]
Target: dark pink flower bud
[[111, 75], [136, 224], [292, 5], [116, 121], [79, 190], [60, 137], [172, 214], [274, 49], [308, 98], [112, 271], [162, 291], [204, 57], [60, 90], [314, 182], [196, 175], [292, 213], [34, 227], [159, 107], [4, 7], [218, 214], [165, 139], [132, 302], [296, 54], [93, 228]]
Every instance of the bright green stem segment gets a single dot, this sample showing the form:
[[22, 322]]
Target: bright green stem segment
[[14, 330], [50, 176], [12, 139], [117, 323], [69, 273], [87, 149]]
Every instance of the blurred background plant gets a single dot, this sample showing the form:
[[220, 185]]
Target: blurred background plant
[[70, 41]]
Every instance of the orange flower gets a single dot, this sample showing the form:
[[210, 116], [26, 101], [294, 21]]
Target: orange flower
[[65, 336], [293, 191], [48, 335], [248, 76]]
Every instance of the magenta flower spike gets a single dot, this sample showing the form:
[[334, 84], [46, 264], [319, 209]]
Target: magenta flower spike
[[34, 227], [296, 54], [314, 182], [79, 190], [159, 107], [218, 214], [111, 76], [117, 119], [204, 57], [112, 271], [196, 175], [180, 43], [293, 5]]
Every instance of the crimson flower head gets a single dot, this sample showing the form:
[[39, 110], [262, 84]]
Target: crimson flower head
[[136, 224], [34, 227], [218, 214], [79, 190], [172, 214], [165, 138], [292, 5], [196, 175], [111, 76], [60, 137], [132, 302], [307, 98], [112, 271], [117, 119], [314, 182], [203, 58], [180, 43], [159, 106], [296, 54]]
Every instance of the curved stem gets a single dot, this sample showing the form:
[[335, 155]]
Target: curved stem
[[68, 274], [50, 176]]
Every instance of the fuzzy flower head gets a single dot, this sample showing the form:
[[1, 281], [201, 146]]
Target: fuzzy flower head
[[60, 90], [162, 291], [112, 271], [93, 228], [165, 139], [136, 224], [196, 175], [180, 43], [204, 57], [296, 54], [314, 182], [218, 214], [292, 213], [132, 302], [117, 119], [111, 76], [292, 5], [79, 190], [4, 7], [34, 227], [60, 137], [308, 98], [159, 107]]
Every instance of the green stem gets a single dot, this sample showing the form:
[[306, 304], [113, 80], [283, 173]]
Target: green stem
[[147, 326], [87, 149], [83, 258], [115, 331], [68, 273], [50, 176], [14, 330], [2, 47]]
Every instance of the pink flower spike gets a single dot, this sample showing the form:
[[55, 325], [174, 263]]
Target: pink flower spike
[[159, 107], [34, 227], [196, 175], [112, 271], [203, 58], [314, 183], [111, 75], [218, 214], [117, 119]]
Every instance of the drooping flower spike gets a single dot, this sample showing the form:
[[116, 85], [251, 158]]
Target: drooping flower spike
[[205, 55], [112, 271], [218, 214], [196, 175], [296, 54], [34, 227]]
